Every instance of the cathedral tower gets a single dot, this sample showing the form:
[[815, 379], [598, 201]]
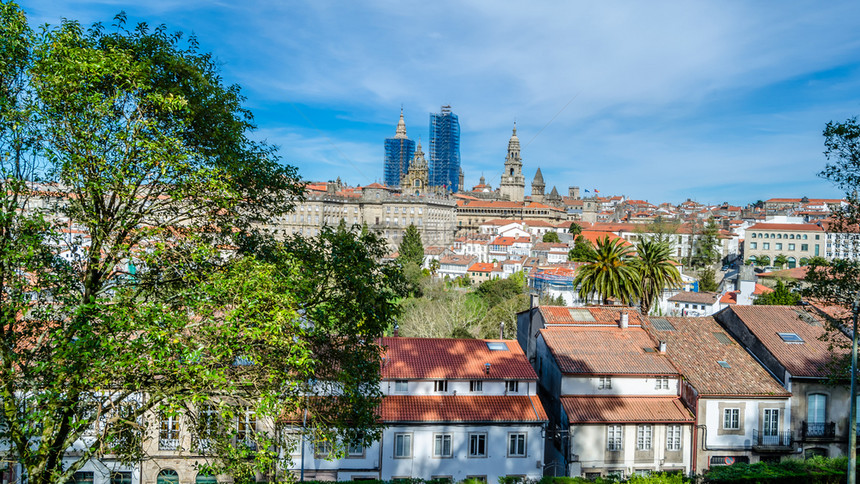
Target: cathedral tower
[[538, 187], [513, 183]]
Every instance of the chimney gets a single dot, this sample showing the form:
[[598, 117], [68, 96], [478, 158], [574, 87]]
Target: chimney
[[534, 301], [662, 347], [487, 368], [396, 330], [502, 330], [625, 320]]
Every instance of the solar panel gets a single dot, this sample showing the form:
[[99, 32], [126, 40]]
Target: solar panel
[[497, 346], [722, 338], [581, 315], [790, 337], [662, 324]]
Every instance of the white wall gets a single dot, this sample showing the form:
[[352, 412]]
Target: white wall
[[459, 387], [620, 386]]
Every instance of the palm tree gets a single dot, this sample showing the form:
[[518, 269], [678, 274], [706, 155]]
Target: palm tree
[[655, 272], [608, 272]]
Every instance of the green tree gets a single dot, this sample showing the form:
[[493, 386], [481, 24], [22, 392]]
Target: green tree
[[708, 280], [609, 272], [176, 297], [781, 296], [655, 272], [780, 260], [660, 231], [762, 260], [581, 249], [411, 248], [574, 229], [707, 246], [551, 237]]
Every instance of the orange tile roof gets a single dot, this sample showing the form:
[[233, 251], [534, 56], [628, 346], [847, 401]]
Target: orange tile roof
[[696, 350], [481, 267], [761, 289], [809, 359], [625, 409], [503, 241], [603, 315], [798, 273], [594, 235], [730, 297], [605, 351], [696, 297], [465, 408], [430, 358]]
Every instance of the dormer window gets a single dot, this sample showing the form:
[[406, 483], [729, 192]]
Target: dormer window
[[401, 386], [476, 386], [604, 383], [440, 386], [512, 386]]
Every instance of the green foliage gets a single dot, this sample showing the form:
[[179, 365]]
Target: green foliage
[[411, 248], [608, 273], [655, 272], [707, 246], [780, 260], [547, 300], [551, 237], [581, 250], [811, 471], [781, 296], [574, 229], [497, 290], [762, 260], [707, 280], [661, 231]]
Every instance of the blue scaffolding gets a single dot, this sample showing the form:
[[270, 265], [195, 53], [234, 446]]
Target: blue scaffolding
[[445, 149], [398, 154]]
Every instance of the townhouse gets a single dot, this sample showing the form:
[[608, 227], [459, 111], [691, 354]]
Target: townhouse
[[741, 413], [611, 394], [793, 344], [453, 409]]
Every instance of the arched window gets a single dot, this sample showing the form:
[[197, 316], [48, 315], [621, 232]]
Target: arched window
[[792, 262], [204, 477], [512, 172], [167, 476], [753, 235]]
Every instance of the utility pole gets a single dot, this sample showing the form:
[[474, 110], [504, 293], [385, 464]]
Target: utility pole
[[852, 435]]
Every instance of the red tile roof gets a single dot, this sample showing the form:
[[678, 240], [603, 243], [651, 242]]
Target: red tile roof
[[605, 351], [808, 359], [482, 267], [465, 408], [429, 358], [798, 273], [594, 235], [603, 315], [696, 297], [625, 409], [695, 349]]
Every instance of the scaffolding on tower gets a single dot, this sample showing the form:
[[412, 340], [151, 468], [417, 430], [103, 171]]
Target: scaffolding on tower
[[445, 149]]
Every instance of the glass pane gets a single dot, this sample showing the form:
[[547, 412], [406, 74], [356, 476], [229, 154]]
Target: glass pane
[[168, 476], [205, 478], [120, 478]]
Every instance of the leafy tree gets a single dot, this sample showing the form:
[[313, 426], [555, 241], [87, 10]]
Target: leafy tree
[[707, 246], [660, 231], [574, 229], [609, 272], [781, 296], [497, 290], [551, 237], [655, 272], [411, 248], [176, 296], [762, 260], [707, 280], [780, 260], [581, 249]]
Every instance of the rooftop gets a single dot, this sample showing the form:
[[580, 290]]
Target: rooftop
[[465, 408], [450, 358], [628, 409]]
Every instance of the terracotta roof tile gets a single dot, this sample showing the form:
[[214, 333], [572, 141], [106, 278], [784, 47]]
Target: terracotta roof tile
[[625, 409], [696, 345], [696, 297], [605, 351], [603, 315], [787, 227], [465, 408], [428, 358], [808, 359]]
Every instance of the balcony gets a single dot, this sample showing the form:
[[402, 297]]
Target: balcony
[[818, 431], [772, 442]]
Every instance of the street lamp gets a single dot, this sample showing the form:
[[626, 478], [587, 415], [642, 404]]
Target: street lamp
[[852, 435]]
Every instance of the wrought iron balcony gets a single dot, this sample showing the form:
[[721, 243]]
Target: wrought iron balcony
[[168, 444], [771, 441], [818, 430]]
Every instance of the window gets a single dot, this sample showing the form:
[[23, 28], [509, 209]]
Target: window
[[816, 414], [442, 445], [804, 247], [790, 246], [778, 246], [83, 478], [355, 449], [753, 235], [765, 246], [804, 236], [613, 437], [246, 426], [817, 237], [790, 337], [753, 245], [204, 478], [476, 386], [120, 478], [770, 426], [401, 386], [440, 386], [673, 437], [731, 419], [662, 383], [402, 446], [643, 437], [322, 449], [516, 444], [167, 476], [168, 434], [477, 445], [512, 386], [604, 383]]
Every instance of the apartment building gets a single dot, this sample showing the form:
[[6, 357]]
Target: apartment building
[[798, 242]]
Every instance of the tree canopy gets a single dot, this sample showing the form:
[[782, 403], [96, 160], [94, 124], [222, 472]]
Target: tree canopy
[[608, 273], [551, 237], [655, 272], [135, 277]]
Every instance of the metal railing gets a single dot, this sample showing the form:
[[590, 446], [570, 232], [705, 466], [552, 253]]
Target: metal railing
[[818, 430], [771, 439]]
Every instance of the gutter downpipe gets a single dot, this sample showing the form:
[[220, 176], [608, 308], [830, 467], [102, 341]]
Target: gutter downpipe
[[693, 465], [852, 435]]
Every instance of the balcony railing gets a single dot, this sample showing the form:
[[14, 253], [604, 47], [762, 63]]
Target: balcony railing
[[818, 430], [775, 441], [168, 444]]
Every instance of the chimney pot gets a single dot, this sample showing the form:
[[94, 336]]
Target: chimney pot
[[625, 320], [487, 368], [662, 347]]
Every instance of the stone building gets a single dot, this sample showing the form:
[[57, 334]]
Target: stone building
[[512, 187]]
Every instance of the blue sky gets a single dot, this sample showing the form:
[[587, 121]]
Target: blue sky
[[663, 101]]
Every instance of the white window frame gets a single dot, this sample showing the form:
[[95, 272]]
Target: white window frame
[[440, 386], [440, 441], [477, 438], [604, 383], [662, 383], [476, 386], [644, 437], [512, 386], [731, 418], [673, 437], [401, 386], [517, 441], [614, 437], [405, 445]]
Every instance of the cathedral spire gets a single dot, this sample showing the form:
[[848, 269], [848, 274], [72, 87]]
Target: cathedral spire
[[401, 127]]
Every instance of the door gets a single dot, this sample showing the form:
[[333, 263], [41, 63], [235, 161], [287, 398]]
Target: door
[[815, 415], [770, 429]]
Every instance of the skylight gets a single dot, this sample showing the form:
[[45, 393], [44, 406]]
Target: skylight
[[662, 324], [581, 315], [724, 364], [722, 338], [790, 337], [497, 346]]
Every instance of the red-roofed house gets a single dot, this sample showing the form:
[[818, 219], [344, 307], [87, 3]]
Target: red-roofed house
[[612, 390], [795, 241], [793, 344], [484, 271]]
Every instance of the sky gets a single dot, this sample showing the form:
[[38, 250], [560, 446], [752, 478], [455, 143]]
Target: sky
[[715, 101]]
